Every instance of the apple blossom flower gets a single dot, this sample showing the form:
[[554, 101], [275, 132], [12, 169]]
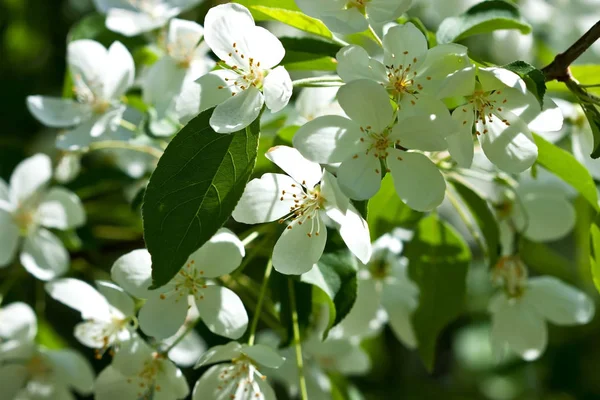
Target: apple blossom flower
[[27, 208], [306, 197], [107, 311], [18, 327], [371, 137], [520, 311], [247, 79], [351, 16], [132, 17], [410, 71], [238, 378], [185, 61], [166, 307], [315, 102], [137, 372], [100, 78], [503, 113]]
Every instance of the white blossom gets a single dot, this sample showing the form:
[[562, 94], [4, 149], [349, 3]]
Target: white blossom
[[315, 102], [239, 377], [18, 327], [100, 78], [248, 78], [27, 208], [307, 196], [166, 307]]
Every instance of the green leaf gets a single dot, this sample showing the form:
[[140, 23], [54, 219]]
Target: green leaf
[[438, 263], [295, 19], [562, 164], [335, 275], [309, 54], [485, 17], [386, 211], [593, 116], [595, 256], [286, 4], [533, 77], [484, 217], [193, 191], [587, 74]]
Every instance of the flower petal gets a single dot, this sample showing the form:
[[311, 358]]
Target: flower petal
[[404, 45], [290, 160], [296, 252], [344, 21], [61, 209], [221, 255], [440, 62], [44, 256], [549, 120], [366, 103], [172, 382], [13, 378], [132, 356], [354, 63], [327, 139], [188, 350], [399, 300], [277, 88], [496, 78], [359, 176], [79, 296], [9, 238], [531, 216], [162, 83], [262, 199], [132, 23], [364, 319], [112, 384], [183, 37], [381, 11], [220, 353], [72, 368], [29, 176], [264, 47], [222, 311], [558, 302], [163, 313], [417, 180], [264, 355], [237, 112], [87, 63], [116, 297], [510, 147], [119, 73], [460, 144], [336, 202], [133, 272], [460, 83], [57, 112], [355, 233]]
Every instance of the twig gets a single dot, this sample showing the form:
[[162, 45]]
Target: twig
[[261, 298], [297, 342]]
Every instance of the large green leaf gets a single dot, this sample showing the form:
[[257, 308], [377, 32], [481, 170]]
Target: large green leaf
[[286, 4], [595, 256], [484, 217], [438, 263], [484, 17], [295, 19], [386, 211], [335, 275], [193, 191], [562, 164]]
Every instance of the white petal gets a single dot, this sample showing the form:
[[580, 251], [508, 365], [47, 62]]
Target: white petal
[[116, 297], [264, 355], [365, 318], [354, 63], [381, 11], [9, 238], [366, 103], [220, 353], [222, 311], [264, 47], [460, 83], [211, 384], [549, 120], [532, 211], [460, 144], [558, 302], [98, 334], [188, 350], [163, 313], [313, 101], [345, 21], [12, 379], [290, 160], [87, 62], [336, 202], [4, 192], [221, 255], [359, 176], [327, 139], [132, 23], [79, 296], [183, 37], [403, 44], [77, 138], [18, 321], [208, 91], [132, 356], [44, 256], [119, 73], [261, 201], [238, 111], [295, 252], [171, 381], [583, 145], [133, 272], [162, 83], [56, 112], [277, 88], [440, 62], [400, 301], [355, 233], [498, 78], [417, 180], [61, 209], [424, 132], [517, 326], [510, 147], [113, 385], [75, 369], [30, 176]]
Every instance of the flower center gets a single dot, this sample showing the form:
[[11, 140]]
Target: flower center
[[307, 204], [251, 75], [85, 93], [512, 273], [360, 4], [25, 219], [189, 281], [378, 142], [379, 269], [486, 105], [38, 368], [239, 379]]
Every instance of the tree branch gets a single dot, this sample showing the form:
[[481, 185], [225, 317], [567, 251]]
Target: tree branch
[[558, 69]]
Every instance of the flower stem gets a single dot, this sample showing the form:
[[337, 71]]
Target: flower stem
[[339, 41], [187, 330], [319, 81], [116, 144], [297, 343], [375, 36], [259, 304], [128, 125]]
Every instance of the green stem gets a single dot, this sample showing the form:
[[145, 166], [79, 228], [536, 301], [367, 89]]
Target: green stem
[[187, 330], [319, 81], [375, 36], [339, 41], [297, 343], [259, 304], [128, 125], [116, 144]]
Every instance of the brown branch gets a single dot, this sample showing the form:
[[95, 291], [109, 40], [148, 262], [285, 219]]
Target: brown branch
[[558, 69]]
